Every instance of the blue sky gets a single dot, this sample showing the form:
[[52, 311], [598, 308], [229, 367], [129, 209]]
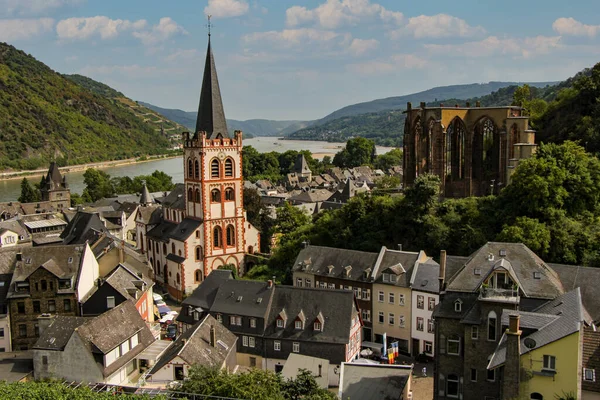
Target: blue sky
[[294, 59]]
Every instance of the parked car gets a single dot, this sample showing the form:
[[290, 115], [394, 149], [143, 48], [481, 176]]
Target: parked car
[[171, 332]]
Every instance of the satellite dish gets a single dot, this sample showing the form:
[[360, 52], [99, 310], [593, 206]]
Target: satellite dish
[[529, 343]]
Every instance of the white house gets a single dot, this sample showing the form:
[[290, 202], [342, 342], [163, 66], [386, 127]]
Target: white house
[[8, 238], [424, 297]]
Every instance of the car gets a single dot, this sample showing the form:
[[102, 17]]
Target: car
[[171, 332], [157, 297]]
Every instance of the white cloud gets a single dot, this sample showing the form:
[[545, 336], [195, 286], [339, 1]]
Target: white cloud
[[20, 29], [335, 13], [572, 27], [361, 46], [291, 37], [165, 29], [226, 8], [436, 26], [493, 45], [398, 62], [182, 54], [84, 28], [31, 7]]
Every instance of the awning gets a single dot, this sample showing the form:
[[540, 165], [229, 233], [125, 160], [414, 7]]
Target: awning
[[154, 351], [163, 309], [372, 345]]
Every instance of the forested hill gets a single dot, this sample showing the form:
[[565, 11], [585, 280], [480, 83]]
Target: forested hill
[[45, 116]]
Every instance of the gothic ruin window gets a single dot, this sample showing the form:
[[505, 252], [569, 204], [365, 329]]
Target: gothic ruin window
[[196, 169], [230, 235], [215, 196], [217, 237], [455, 149], [229, 167], [486, 151], [190, 168], [214, 169], [229, 194]]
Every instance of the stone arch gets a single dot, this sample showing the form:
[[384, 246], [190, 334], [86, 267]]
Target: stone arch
[[198, 275], [196, 169], [230, 234], [215, 196], [232, 260], [250, 249], [456, 134], [190, 168], [216, 263], [229, 194], [190, 195], [420, 145], [217, 237], [197, 197], [486, 152]]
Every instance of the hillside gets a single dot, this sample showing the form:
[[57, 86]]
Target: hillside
[[437, 93], [386, 127], [254, 127], [44, 116]]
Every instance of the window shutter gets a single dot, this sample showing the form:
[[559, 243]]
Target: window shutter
[[441, 385], [442, 344]]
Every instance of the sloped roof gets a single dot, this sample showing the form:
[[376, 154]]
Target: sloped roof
[[336, 306], [57, 334], [317, 259], [211, 115], [82, 228], [239, 297], [176, 198], [312, 196], [301, 166], [194, 347], [397, 261], [373, 382], [146, 198], [204, 295], [425, 277], [150, 215], [587, 280], [523, 262], [556, 319], [127, 282], [54, 258]]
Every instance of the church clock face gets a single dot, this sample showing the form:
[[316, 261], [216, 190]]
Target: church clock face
[[221, 155]]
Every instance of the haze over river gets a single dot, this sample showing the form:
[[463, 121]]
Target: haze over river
[[11, 189]]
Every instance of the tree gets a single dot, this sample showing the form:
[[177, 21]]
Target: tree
[[28, 193], [289, 218], [388, 160], [359, 151], [98, 185], [423, 194], [305, 386], [530, 232], [387, 182]]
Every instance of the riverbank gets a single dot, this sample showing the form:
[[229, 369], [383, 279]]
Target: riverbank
[[6, 176]]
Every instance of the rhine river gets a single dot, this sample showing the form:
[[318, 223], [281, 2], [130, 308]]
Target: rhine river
[[10, 189]]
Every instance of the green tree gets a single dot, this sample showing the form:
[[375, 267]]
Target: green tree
[[388, 160], [305, 386], [98, 185], [289, 218], [387, 182], [530, 232], [28, 193], [359, 151]]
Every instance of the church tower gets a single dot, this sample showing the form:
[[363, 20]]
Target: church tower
[[55, 189], [213, 179]]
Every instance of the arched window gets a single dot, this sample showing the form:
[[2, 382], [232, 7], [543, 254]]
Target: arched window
[[492, 322], [486, 151], [215, 196], [178, 278], [165, 271], [197, 195], [512, 140], [536, 396], [196, 169], [190, 168], [158, 266], [198, 275], [199, 254], [229, 167], [164, 248], [250, 250], [173, 248], [452, 385], [214, 169], [229, 194], [455, 149], [190, 194], [217, 237], [230, 235]]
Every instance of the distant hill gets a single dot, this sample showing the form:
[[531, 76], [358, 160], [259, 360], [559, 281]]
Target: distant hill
[[45, 116], [254, 127], [437, 93]]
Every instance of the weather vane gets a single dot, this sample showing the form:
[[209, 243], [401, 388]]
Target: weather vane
[[209, 25]]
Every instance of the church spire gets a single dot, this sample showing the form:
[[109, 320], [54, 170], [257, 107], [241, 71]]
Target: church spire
[[211, 116]]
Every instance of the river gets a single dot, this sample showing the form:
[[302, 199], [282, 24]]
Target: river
[[10, 189]]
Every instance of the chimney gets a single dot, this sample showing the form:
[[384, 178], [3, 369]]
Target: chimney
[[213, 336], [423, 104], [399, 246], [442, 276], [441, 104], [512, 365], [269, 284]]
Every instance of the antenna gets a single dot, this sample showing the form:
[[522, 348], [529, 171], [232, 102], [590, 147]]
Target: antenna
[[208, 24]]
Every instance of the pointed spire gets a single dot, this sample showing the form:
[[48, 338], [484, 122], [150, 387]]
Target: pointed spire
[[53, 179], [301, 166], [146, 197], [211, 115]]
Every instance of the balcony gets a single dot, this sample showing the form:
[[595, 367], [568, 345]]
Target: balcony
[[499, 295]]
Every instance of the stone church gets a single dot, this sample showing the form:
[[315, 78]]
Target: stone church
[[202, 223], [473, 150]]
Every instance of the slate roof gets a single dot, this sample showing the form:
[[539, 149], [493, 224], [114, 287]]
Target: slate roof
[[146, 198], [211, 115], [312, 196], [336, 306], [523, 263], [194, 347], [204, 295], [4, 285], [445, 308], [176, 198], [150, 215], [399, 262], [127, 282], [301, 166], [453, 265], [175, 258], [425, 277], [373, 382], [162, 231], [59, 332], [230, 291], [82, 228], [556, 319], [16, 227], [317, 259], [587, 280], [106, 331], [185, 229]]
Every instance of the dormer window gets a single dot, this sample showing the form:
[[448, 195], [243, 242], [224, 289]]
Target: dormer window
[[392, 278], [279, 323], [458, 305], [537, 275], [317, 326], [348, 269], [477, 271], [490, 257], [298, 324], [386, 277], [330, 269]]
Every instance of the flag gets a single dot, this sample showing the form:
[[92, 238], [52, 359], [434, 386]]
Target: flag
[[384, 343]]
